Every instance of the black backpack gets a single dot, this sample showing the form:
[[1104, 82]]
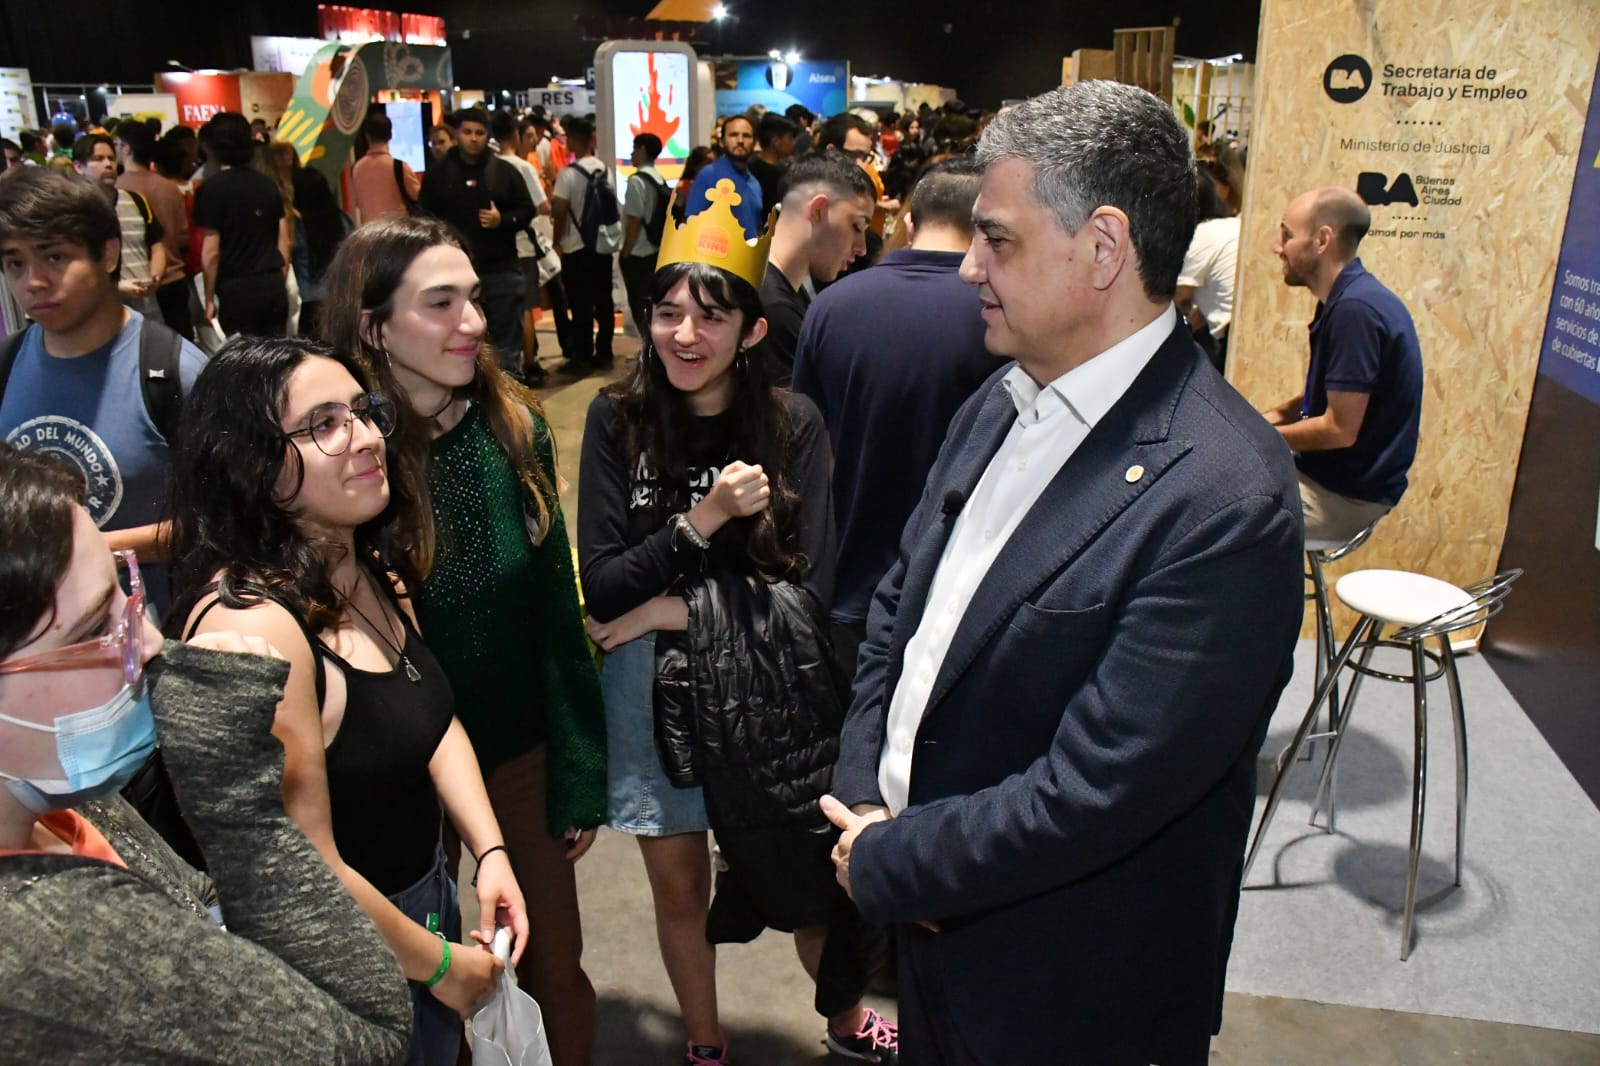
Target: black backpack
[[599, 205], [656, 224], [159, 350]]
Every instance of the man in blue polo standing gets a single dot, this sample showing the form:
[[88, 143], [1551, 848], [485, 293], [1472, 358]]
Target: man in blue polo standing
[[1354, 428], [738, 144]]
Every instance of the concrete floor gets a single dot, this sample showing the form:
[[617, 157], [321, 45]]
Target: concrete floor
[[766, 998]]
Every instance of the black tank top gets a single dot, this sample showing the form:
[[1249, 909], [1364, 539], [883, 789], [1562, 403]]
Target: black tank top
[[385, 811]]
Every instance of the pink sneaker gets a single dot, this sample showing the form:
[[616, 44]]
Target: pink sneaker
[[706, 1055], [878, 1041]]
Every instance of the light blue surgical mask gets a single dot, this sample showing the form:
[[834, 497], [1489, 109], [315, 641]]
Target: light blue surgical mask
[[99, 750]]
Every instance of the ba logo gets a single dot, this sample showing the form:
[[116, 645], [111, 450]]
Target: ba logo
[[1347, 79], [1376, 190], [779, 75]]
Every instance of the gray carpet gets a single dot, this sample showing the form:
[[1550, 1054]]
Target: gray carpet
[[1518, 942]]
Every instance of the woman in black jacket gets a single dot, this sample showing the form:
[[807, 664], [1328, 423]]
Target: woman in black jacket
[[701, 482]]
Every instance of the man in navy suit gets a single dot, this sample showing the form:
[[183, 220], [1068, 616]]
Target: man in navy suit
[[1048, 770]]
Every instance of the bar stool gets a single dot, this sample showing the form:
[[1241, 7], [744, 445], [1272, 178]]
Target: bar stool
[[1424, 608], [1319, 553]]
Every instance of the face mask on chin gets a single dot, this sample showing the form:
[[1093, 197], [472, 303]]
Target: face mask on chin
[[99, 750]]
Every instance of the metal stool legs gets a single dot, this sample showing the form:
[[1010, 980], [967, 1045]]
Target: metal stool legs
[[1419, 788], [1326, 783], [1325, 642], [1287, 759], [1459, 719], [1365, 637]]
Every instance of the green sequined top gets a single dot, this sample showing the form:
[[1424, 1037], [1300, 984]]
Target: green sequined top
[[502, 617]]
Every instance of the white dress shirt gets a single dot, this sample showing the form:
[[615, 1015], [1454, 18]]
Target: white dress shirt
[[1051, 422]]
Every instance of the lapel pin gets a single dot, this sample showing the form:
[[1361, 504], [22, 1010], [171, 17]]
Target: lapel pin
[[1135, 472]]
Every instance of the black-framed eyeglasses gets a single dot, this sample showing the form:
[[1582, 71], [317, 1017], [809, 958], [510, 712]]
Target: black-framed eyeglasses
[[331, 425]]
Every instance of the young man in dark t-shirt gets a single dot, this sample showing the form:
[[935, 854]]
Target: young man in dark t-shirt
[[827, 205], [775, 135], [1354, 427], [487, 200], [245, 253]]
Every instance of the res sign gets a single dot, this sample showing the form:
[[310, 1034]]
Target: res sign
[[563, 101]]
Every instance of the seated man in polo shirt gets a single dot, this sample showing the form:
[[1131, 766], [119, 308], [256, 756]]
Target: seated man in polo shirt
[[1354, 428]]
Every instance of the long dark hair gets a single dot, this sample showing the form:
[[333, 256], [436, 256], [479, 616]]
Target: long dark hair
[[362, 280], [38, 496], [226, 512], [657, 417]]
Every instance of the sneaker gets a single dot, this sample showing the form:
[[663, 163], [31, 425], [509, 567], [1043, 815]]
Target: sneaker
[[877, 1041], [706, 1055]]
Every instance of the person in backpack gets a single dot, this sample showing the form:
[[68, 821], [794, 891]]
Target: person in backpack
[[137, 151], [381, 185], [644, 214], [91, 381], [144, 256], [588, 231]]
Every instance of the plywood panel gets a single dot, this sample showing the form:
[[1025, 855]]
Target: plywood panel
[[1476, 268]]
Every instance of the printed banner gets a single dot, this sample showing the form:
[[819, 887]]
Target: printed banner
[[823, 86], [1571, 350]]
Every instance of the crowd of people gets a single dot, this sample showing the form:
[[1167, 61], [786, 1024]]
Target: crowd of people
[[928, 565]]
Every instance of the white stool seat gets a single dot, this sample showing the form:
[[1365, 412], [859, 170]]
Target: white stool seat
[[1398, 597]]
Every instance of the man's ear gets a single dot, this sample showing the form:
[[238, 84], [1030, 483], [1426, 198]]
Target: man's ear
[[911, 229], [111, 256], [1113, 245], [817, 209]]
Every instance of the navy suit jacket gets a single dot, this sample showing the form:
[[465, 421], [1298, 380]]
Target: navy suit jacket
[[1084, 775]]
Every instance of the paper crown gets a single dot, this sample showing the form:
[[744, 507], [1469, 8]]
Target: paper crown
[[716, 238]]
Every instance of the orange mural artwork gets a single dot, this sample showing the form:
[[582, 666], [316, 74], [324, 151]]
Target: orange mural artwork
[[655, 120]]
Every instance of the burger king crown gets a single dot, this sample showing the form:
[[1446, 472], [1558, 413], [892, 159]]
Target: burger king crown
[[716, 238]]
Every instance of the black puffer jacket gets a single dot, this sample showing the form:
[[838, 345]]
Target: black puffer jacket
[[749, 702]]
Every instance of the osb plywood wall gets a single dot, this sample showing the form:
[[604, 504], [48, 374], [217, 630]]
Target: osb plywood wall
[[1476, 109]]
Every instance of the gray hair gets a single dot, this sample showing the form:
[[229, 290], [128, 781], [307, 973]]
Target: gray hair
[[1102, 143]]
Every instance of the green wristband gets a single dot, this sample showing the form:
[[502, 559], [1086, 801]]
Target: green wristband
[[444, 963]]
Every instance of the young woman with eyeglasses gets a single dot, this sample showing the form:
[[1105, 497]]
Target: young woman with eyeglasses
[[114, 949], [500, 600], [284, 507]]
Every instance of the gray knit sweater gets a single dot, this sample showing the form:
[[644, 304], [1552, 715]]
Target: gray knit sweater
[[101, 964]]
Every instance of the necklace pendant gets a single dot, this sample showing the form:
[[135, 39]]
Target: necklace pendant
[[411, 671]]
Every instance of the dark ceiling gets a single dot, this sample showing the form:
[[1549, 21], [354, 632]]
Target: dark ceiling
[[986, 51]]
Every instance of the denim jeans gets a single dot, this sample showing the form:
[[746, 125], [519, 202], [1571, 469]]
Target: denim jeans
[[436, 1031], [502, 293]]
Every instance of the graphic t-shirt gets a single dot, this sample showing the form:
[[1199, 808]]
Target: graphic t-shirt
[[90, 411]]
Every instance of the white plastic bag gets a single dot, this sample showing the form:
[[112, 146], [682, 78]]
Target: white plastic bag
[[508, 1029]]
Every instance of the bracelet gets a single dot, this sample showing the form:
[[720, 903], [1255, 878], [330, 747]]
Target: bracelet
[[444, 963], [682, 525], [490, 851]]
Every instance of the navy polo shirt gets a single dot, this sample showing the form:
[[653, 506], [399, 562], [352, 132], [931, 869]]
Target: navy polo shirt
[[749, 208], [1363, 340], [888, 355]]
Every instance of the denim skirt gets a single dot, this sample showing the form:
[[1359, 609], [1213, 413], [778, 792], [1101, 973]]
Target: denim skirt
[[639, 798]]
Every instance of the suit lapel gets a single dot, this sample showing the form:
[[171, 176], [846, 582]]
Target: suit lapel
[[1091, 489], [984, 438]]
